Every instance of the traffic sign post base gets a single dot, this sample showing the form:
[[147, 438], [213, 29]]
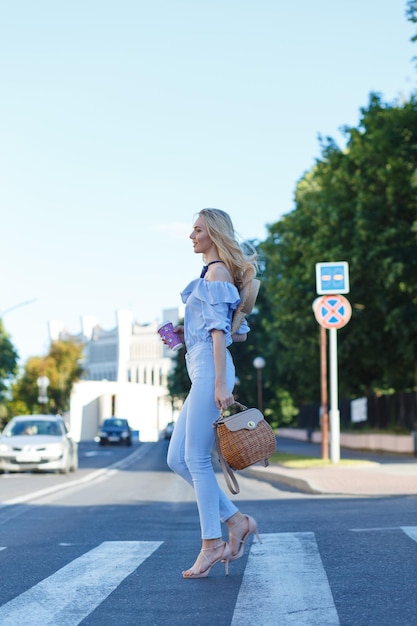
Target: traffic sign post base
[[335, 436]]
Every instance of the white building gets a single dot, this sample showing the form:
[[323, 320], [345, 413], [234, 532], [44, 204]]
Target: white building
[[125, 374]]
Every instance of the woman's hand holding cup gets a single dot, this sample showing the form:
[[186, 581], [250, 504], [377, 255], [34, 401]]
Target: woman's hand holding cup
[[173, 338]]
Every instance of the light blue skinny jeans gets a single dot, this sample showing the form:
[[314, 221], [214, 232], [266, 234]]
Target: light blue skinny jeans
[[190, 447]]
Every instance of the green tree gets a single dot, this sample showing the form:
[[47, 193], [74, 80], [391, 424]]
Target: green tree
[[277, 404], [411, 15], [8, 366], [357, 204], [178, 380], [61, 366]]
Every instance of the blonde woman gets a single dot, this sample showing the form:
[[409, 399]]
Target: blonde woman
[[209, 305]]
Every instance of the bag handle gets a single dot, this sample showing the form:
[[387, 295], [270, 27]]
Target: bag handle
[[229, 476], [242, 407]]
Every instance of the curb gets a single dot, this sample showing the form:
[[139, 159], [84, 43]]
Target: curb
[[281, 479]]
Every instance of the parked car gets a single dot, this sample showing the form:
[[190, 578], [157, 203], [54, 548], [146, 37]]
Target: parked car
[[115, 430], [38, 443], [168, 430]]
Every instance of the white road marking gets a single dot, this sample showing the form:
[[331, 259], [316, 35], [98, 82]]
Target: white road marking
[[285, 583], [98, 453], [373, 530], [411, 531], [73, 592]]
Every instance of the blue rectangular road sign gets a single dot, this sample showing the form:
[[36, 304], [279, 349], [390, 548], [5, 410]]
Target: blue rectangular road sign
[[332, 278]]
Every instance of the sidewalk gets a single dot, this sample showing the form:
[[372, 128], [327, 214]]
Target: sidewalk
[[379, 475]]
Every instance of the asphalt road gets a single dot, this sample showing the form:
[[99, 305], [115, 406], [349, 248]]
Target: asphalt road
[[106, 547]]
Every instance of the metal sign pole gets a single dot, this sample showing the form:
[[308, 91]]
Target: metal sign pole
[[324, 398], [333, 311], [334, 408]]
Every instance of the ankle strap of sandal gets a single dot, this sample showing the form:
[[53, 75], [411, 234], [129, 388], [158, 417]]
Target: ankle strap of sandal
[[219, 545]]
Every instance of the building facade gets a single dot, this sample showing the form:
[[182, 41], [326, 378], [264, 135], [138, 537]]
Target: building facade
[[126, 370]]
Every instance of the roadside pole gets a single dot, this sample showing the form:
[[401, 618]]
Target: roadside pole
[[334, 395], [332, 311], [324, 396]]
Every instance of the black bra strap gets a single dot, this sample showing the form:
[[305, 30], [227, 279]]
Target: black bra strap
[[205, 268]]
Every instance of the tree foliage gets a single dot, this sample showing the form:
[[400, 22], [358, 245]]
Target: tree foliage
[[359, 205], [178, 379], [411, 15], [61, 366], [8, 362]]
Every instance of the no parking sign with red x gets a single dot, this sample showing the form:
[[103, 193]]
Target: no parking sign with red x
[[332, 311]]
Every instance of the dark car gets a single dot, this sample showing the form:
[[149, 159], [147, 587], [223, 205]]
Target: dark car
[[168, 430], [115, 430]]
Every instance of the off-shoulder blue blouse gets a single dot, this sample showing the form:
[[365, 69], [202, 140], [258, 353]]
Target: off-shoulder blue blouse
[[209, 305]]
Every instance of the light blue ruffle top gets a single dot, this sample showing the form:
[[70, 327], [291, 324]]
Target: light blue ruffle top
[[209, 305]]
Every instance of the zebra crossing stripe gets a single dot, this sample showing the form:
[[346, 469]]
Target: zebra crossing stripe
[[411, 531], [73, 592], [285, 583]]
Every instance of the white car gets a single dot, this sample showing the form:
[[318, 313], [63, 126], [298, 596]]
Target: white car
[[37, 443]]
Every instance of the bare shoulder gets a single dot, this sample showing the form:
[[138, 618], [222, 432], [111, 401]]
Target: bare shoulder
[[219, 272]]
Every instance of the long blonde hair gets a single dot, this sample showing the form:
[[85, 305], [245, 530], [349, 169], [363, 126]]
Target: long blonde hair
[[240, 260]]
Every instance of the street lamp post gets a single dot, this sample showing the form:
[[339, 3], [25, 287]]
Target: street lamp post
[[16, 306], [259, 364]]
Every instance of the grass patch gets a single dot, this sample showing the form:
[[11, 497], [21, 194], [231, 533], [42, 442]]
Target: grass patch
[[295, 461]]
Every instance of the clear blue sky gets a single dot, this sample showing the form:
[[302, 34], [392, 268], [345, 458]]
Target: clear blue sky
[[122, 118]]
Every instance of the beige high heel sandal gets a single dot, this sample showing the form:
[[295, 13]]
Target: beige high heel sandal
[[224, 558], [252, 529]]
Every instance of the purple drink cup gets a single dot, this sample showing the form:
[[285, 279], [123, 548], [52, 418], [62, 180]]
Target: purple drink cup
[[172, 340]]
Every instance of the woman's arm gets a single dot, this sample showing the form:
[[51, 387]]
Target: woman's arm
[[223, 396], [239, 338]]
